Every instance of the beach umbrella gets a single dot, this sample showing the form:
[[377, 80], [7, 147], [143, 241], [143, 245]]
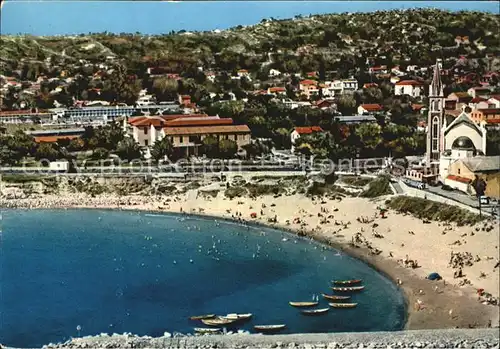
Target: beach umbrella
[[434, 276]]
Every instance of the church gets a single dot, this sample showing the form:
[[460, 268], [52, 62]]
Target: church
[[456, 147]]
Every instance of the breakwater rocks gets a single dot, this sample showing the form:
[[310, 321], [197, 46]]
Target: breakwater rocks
[[450, 338]]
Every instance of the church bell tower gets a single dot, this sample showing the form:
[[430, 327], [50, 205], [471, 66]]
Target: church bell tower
[[435, 120]]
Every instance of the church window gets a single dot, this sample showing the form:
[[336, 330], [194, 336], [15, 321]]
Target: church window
[[435, 133]]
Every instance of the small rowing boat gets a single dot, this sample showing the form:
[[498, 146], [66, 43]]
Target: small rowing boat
[[348, 289], [218, 321], [201, 317], [343, 305], [315, 311], [237, 317], [347, 282], [303, 304], [269, 328], [335, 298], [206, 330]]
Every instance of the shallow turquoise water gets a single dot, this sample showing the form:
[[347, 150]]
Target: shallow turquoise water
[[114, 271]]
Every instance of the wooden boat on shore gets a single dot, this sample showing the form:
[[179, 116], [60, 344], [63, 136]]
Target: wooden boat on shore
[[343, 305], [347, 282], [205, 330], [202, 317], [303, 304], [218, 321], [348, 289], [315, 311], [334, 297], [237, 317], [269, 328]]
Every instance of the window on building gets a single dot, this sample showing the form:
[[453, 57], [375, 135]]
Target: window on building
[[146, 142], [435, 133], [181, 139], [145, 130], [458, 171]]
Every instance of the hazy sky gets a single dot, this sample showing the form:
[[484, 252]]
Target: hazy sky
[[52, 17]]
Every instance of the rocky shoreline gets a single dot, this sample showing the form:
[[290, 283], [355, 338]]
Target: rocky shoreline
[[450, 338]]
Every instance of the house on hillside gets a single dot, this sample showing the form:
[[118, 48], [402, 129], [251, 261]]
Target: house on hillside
[[411, 88], [185, 131], [308, 88], [274, 72], [276, 91], [479, 91], [301, 131], [489, 115], [369, 108], [462, 172], [494, 101]]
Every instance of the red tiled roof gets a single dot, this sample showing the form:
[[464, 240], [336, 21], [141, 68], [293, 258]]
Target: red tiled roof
[[21, 113], [308, 129], [409, 83], [372, 107], [459, 179], [370, 84], [489, 111], [53, 139], [277, 89], [156, 121], [199, 122], [477, 100], [203, 130], [417, 106], [493, 121], [308, 82], [497, 97]]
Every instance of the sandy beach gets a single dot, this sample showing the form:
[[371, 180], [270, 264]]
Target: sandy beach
[[400, 246]]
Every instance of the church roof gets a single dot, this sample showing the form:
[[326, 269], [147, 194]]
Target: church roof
[[463, 143], [463, 118], [436, 87], [482, 163]]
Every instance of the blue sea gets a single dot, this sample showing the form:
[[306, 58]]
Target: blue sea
[[114, 272]]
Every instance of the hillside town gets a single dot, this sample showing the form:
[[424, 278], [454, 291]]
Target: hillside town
[[249, 90]]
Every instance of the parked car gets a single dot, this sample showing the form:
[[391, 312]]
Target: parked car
[[484, 200]]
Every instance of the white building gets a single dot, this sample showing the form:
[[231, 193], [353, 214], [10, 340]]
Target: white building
[[301, 131], [274, 72], [338, 87], [411, 88]]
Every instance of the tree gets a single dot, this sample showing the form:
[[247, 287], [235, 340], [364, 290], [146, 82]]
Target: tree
[[100, 153], [227, 148], [370, 136], [165, 89], [46, 151], [210, 146], [128, 149], [346, 104], [162, 148]]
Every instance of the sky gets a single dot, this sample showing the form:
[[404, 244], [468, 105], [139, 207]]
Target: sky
[[52, 17]]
